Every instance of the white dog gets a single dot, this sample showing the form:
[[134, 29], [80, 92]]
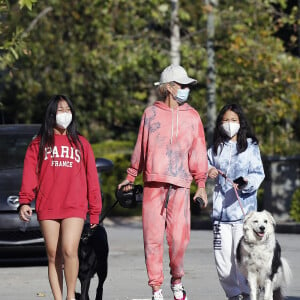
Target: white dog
[[259, 257]]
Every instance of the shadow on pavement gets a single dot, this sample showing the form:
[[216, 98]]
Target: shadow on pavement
[[24, 262], [23, 257]]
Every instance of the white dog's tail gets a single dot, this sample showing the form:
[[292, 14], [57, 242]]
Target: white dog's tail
[[285, 279], [287, 272]]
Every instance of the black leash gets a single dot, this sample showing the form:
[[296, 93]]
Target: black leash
[[108, 211]]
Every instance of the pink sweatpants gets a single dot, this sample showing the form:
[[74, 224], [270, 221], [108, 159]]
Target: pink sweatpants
[[175, 220]]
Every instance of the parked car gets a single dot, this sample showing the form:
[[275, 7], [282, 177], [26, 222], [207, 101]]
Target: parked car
[[15, 240]]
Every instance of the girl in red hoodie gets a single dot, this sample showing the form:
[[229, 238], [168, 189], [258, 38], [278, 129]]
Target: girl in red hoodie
[[60, 173], [171, 152]]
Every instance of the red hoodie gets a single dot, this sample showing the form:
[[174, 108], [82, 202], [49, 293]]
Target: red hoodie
[[170, 146], [67, 186]]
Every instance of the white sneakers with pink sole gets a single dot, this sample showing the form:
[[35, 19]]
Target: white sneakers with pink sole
[[157, 295], [178, 291]]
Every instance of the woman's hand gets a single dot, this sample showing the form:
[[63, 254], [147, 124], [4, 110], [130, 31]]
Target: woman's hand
[[212, 173], [126, 183], [93, 225], [240, 184], [25, 212]]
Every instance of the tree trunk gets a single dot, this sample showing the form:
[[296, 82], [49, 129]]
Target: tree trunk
[[211, 72], [175, 34]]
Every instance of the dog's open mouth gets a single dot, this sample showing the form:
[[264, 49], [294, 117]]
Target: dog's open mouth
[[260, 233]]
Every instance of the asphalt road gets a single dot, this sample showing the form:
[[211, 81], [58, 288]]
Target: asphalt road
[[127, 277]]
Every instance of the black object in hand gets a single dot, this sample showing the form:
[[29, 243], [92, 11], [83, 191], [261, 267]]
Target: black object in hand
[[240, 182], [130, 198], [200, 201]]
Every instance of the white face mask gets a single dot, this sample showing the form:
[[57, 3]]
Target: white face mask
[[231, 128], [63, 120]]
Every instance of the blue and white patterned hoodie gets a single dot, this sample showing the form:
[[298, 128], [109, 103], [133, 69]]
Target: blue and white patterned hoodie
[[247, 164]]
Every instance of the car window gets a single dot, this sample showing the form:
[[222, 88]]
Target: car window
[[13, 149]]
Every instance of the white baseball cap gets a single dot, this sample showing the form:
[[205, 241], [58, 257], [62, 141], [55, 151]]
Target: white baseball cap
[[175, 73]]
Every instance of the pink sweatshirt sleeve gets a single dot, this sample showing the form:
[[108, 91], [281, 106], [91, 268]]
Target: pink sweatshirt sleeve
[[29, 178], [138, 155], [93, 192], [198, 162]]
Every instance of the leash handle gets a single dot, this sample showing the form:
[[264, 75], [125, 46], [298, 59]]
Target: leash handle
[[200, 201], [235, 190]]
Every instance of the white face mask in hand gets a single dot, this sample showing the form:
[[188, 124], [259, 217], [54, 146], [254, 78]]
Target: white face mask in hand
[[63, 120], [231, 128]]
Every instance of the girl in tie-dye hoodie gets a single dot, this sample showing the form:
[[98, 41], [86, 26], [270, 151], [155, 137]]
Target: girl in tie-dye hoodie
[[235, 153], [170, 152]]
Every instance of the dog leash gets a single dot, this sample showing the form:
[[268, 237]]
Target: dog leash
[[105, 214], [122, 197], [235, 190]]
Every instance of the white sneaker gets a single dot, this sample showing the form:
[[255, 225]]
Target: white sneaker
[[158, 295], [178, 292]]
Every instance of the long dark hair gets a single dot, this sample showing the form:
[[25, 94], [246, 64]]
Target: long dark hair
[[244, 132], [46, 132]]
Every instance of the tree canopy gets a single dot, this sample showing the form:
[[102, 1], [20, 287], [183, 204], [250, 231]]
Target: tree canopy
[[106, 55]]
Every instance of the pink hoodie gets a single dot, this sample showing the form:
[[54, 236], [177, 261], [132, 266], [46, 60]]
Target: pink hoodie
[[170, 146]]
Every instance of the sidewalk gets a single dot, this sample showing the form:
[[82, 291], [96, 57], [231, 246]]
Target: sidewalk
[[127, 276], [127, 271]]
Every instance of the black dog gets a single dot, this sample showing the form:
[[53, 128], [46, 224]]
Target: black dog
[[93, 254], [93, 246]]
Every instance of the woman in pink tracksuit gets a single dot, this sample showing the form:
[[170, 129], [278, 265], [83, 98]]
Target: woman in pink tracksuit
[[171, 152]]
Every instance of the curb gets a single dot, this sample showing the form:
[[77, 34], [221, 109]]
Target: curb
[[289, 227], [196, 224]]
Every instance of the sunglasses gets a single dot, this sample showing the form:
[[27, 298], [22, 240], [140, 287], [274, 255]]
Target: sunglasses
[[183, 86]]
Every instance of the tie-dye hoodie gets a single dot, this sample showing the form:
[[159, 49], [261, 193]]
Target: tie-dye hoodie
[[247, 164], [170, 146]]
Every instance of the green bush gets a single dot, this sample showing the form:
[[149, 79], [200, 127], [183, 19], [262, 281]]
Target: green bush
[[260, 198], [295, 206], [119, 152], [111, 147]]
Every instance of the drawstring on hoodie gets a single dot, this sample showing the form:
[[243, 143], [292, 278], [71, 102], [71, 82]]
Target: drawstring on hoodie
[[172, 130], [167, 199], [176, 123]]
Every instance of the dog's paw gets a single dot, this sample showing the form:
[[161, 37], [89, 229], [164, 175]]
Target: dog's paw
[[77, 296]]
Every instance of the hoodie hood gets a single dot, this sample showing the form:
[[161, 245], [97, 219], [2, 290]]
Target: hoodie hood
[[164, 106]]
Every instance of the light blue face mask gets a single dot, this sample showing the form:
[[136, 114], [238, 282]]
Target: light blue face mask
[[182, 95]]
